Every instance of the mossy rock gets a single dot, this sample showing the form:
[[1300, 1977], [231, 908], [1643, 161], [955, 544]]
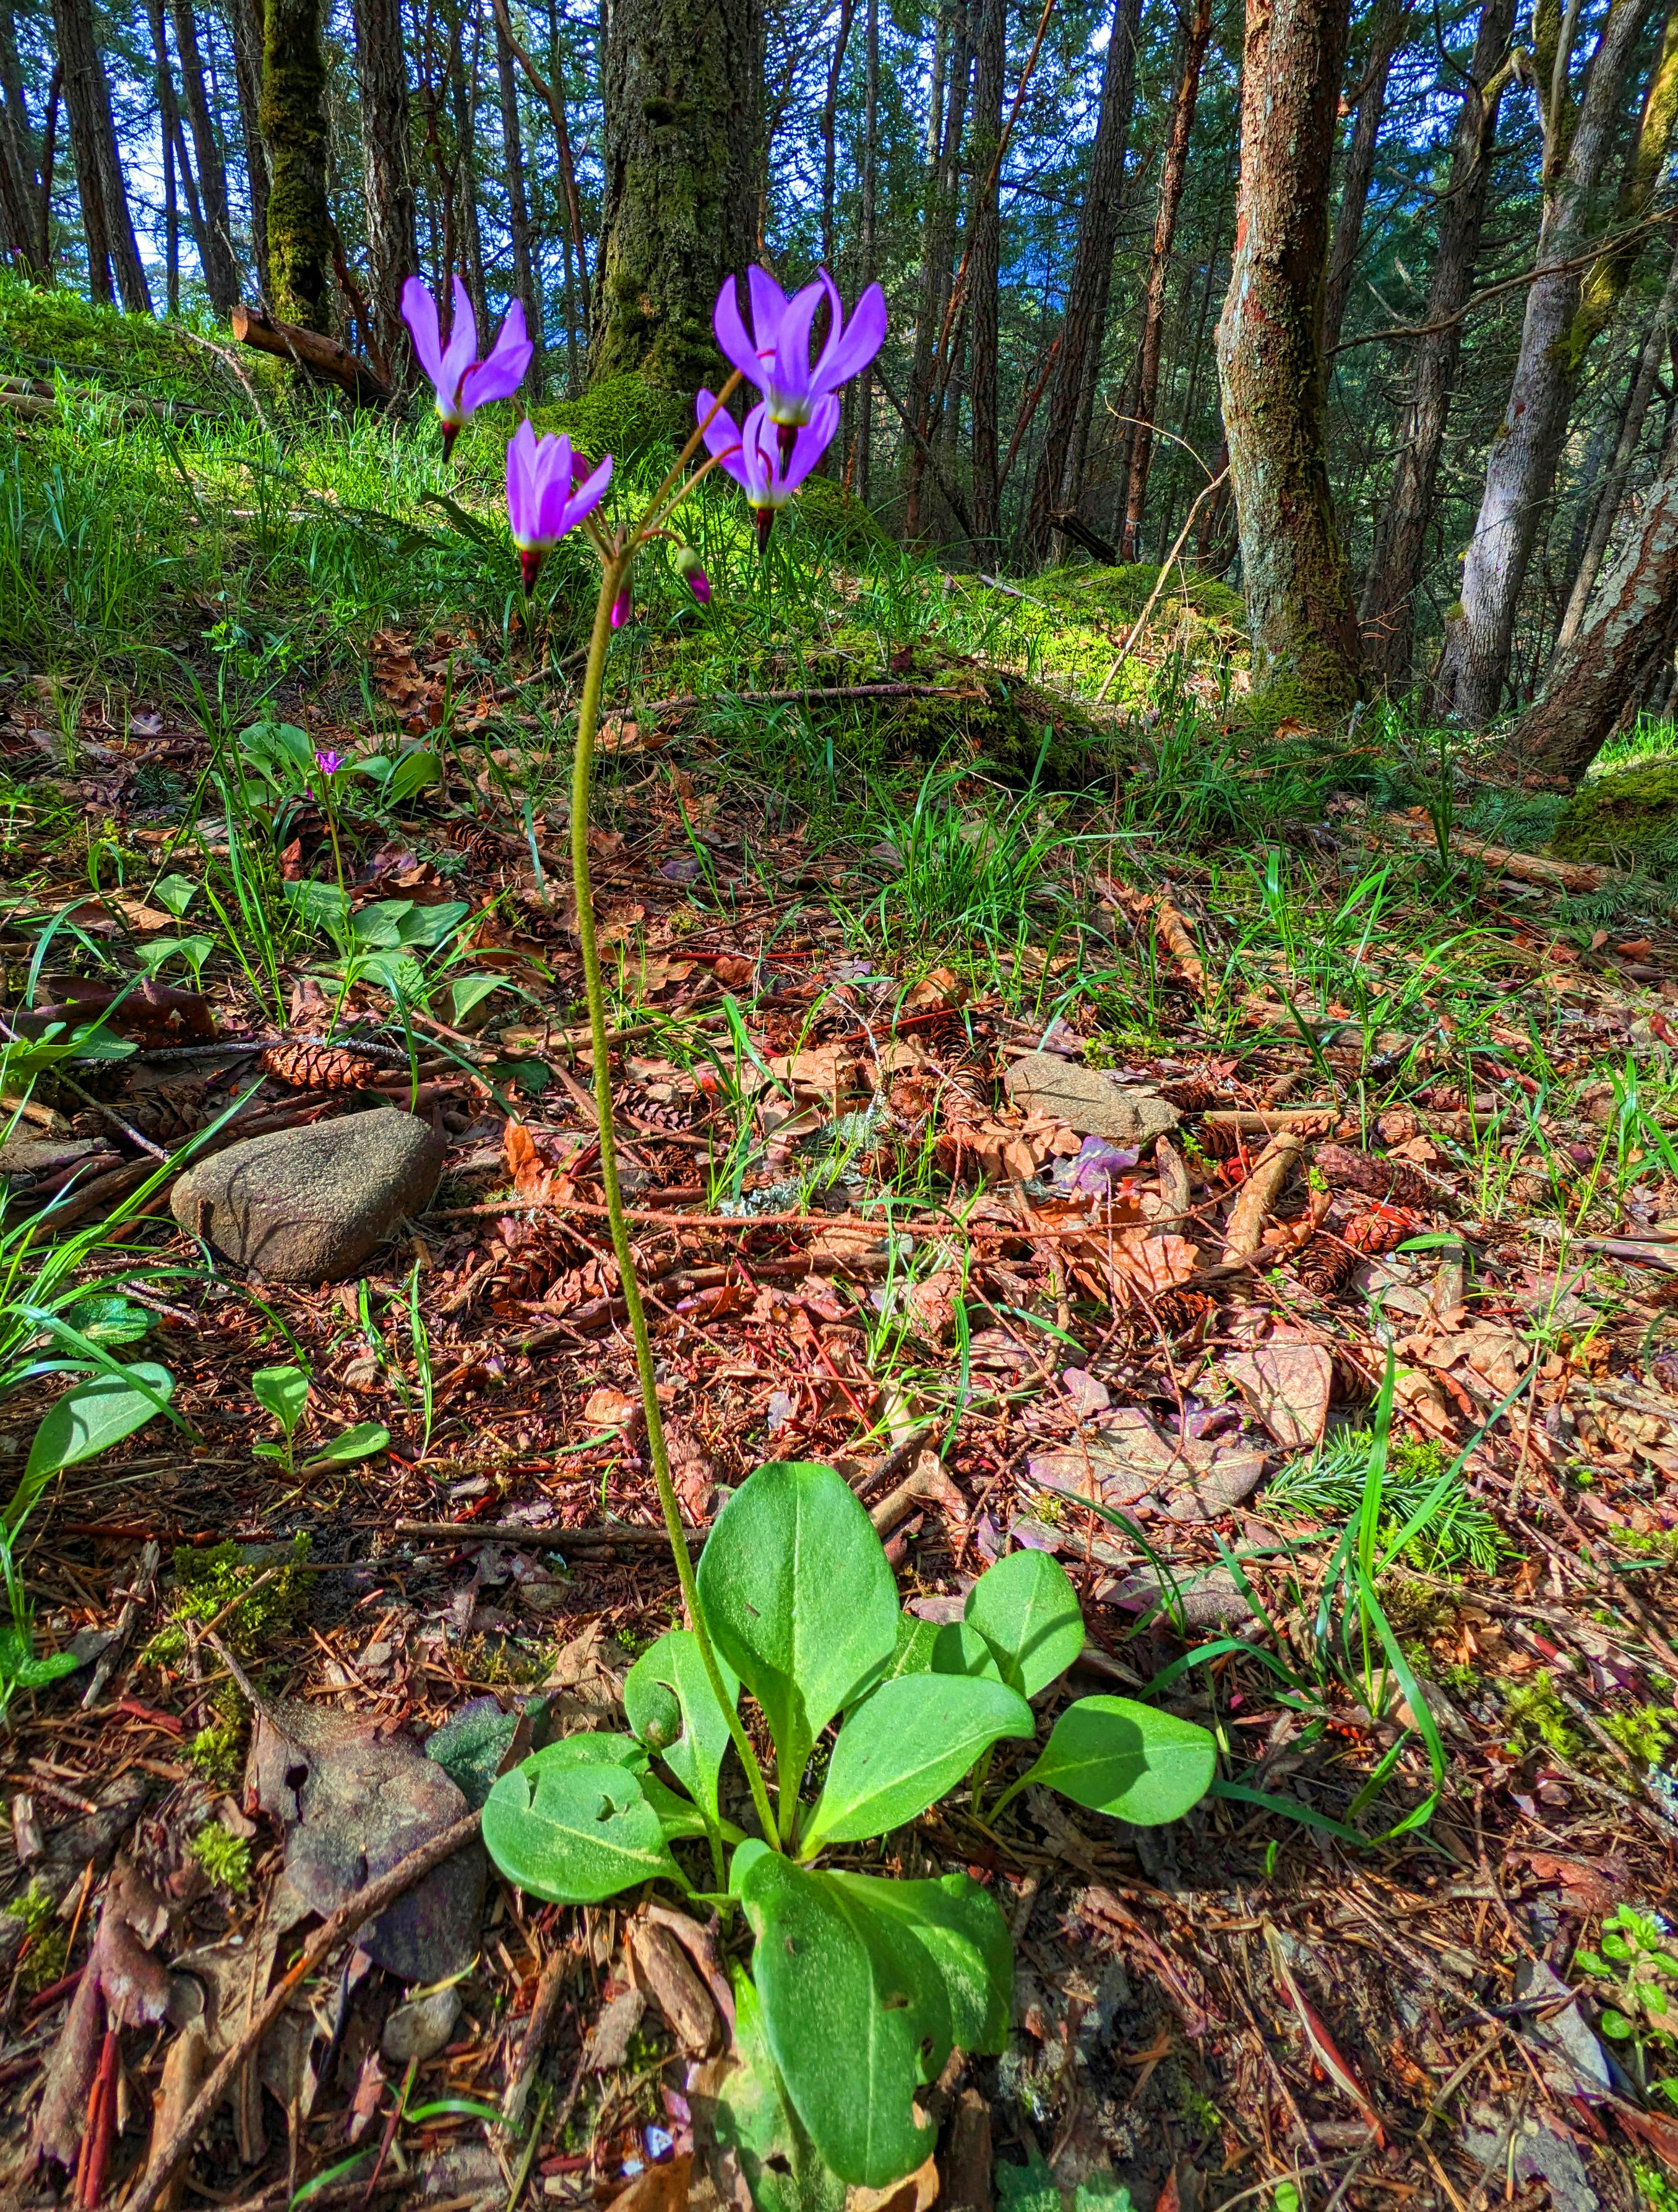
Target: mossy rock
[[621, 416], [1119, 594], [1623, 814]]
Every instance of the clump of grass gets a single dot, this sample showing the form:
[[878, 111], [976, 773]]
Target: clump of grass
[[1329, 1487], [225, 1857]]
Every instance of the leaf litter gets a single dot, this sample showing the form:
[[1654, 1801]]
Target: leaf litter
[[1139, 1244]]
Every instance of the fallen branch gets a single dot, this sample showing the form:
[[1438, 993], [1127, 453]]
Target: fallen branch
[[366, 1903], [320, 357], [541, 1540], [688, 701], [1263, 1187], [1525, 867]]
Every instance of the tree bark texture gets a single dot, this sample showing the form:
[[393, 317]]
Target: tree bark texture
[[1396, 571], [1606, 510], [1631, 632], [18, 225], [1521, 468], [393, 243], [937, 250], [107, 225], [1071, 396], [221, 264], [984, 257], [1173, 173], [1610, 274], [294, 128], [1386, 34], [462, 96], [246, 30], [1270, 360], [525, 281], [681, 159]]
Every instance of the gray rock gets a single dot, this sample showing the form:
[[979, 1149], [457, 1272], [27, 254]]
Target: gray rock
[[1088, 1101], [308, 1206], [38, 1156], [419, 2030]]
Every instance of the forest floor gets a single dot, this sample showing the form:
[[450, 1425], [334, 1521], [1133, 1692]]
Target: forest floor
[[883, 1003]]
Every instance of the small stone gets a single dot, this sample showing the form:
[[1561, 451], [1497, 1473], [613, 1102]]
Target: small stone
[[309, 1205], [417, 2031], [1089, 1101]]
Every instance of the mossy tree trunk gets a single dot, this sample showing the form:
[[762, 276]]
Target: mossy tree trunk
[[990, 33], [294, 128], [221, 265], [1401, 540], [1600, 680], [1270, 362], [682, 86]]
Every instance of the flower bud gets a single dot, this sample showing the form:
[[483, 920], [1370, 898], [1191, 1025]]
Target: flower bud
[[692, 570], [620, 609]]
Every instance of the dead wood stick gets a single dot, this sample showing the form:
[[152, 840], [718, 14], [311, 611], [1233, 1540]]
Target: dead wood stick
[[543, 1540], [366, 1903], [1525, 867], [1266, 1121], [322, 357], [1262, 1187], [537, 2028], [687, 700]]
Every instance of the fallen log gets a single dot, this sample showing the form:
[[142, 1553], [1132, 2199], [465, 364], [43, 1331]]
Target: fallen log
[[322, 358], [1525, 867]]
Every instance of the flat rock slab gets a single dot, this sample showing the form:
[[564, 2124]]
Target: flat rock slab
[[309, 1205], [1088, 1101]]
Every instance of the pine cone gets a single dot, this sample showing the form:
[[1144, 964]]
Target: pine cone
[[1345, 1169], [318, 1067], [1194, 1092], [1328, 1262]]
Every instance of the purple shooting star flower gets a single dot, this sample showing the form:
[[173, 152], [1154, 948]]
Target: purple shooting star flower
[[760, 463], [691, 569], [775, 354], [329, 763], [542, 503], [461, 381]]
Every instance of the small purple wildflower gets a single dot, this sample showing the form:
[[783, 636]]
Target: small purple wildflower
[[620, 608], [460, 380], [768, 470], [329, 763], [776, 353]]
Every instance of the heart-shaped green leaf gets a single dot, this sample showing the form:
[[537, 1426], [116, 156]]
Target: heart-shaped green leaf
[[1027, 1611], [672, 1708], [855, 2013], [283, 1392], [960, 1926], [1115, 1756], [799, 1599], [573, 1825], [904, 1747], [89, 1419]]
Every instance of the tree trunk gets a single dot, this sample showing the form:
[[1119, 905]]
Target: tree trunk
[[1610, 274], [106, 223], [984, 256], [294, 128], [168, 120], [245, 29], [937, 251], [1174, 170], [830, 125], [221, 265], [681, 156], [865, 383], [550, 91], [1386, 33], [1270, 363], [49, 147], [1607, 509], [1389, 604], [525, 282], [1631, 630], [1072, 396], [470, 234], [392, 246], [18, 225], [1520, 470]]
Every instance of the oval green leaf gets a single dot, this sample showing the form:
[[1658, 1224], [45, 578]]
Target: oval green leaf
[[668, 1683], [1027, 1611], [799, 1599], [361, 1442], [962, 1930], [855, 2013], [283, 1392], [904, 1747], [1115, 1756], [92, 1417], [573, 1825]]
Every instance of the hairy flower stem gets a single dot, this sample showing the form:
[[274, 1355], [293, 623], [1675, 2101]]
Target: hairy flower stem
[[615, 573]]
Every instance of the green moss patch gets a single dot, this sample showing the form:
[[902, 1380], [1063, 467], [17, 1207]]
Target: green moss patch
[[1119, 594], [46, 332], [1626, 815], [621, 416]]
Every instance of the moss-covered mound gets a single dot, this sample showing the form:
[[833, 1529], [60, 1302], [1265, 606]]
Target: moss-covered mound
[[621, 416], [1119, 595], [1622, 815], [826, 512], [43, 333]]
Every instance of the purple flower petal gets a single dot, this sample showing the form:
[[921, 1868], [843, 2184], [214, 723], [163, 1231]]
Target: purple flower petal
[[419, 311], [769, 305], [853, 347], [737, 347], [500, 376], [457, 355]]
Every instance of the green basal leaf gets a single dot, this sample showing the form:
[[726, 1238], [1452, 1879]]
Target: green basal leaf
[[1027, 1611], [1117, 1757], [904, 1747], [574, 1826], [467, 992], [741, 2102], [104, 1319], [88, 1419], [960, 1650], [36, 1674], [283, 1392], [854, 2015], [672, 1708], [799, 1599], [361, 1442], [958, 1923]]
